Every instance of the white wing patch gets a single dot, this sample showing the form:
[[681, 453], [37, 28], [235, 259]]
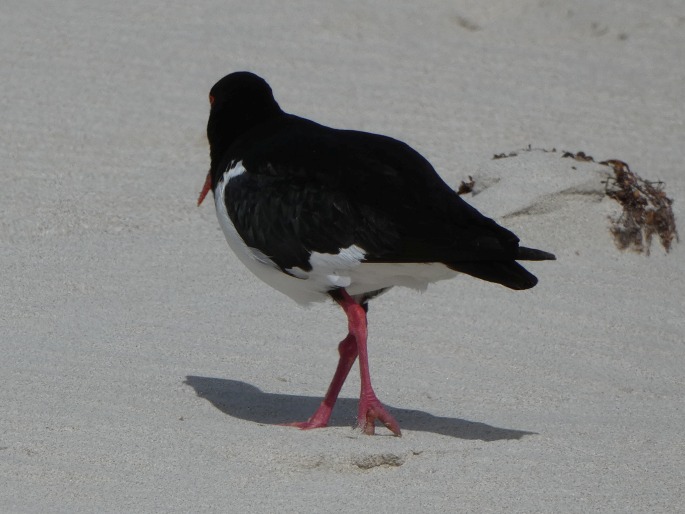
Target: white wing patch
[[345, 258], [332, 269]]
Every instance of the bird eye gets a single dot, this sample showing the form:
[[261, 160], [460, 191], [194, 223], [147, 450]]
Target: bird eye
[[211, 100]]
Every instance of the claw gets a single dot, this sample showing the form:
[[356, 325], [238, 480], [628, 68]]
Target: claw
[[318, 420], [371, 410]]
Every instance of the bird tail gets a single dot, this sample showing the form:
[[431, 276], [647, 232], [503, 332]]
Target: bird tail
[[531, 254], [509, 273]]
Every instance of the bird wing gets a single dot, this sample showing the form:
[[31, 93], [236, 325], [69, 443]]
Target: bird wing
[[309, 188]]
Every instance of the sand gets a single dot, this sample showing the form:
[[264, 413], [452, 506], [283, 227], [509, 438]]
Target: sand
[[145, 370]]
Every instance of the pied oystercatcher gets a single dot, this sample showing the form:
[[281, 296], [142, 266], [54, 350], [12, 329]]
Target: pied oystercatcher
[[319, 213]]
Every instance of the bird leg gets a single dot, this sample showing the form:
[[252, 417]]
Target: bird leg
[[348, 354], [370, 408]]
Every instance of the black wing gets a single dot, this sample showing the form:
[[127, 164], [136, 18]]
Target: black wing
[[311, 188]]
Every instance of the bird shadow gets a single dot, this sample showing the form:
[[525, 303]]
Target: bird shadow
[[245, 401]]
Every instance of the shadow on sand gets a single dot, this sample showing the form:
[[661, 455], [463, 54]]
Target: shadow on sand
[[245, 401]]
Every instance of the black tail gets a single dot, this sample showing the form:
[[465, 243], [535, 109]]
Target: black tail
[[508, 273], [530, 254]]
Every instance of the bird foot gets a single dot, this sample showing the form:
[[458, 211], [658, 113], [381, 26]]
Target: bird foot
[[370, 410], [306, 425], [318, 420]]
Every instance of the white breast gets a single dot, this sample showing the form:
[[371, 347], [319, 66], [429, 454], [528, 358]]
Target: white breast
[[329, 271], [300, 290]]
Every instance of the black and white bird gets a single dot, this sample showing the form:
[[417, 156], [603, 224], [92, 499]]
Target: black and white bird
[[320, 213]]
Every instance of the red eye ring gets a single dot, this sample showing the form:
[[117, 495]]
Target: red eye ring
[[211, 100]]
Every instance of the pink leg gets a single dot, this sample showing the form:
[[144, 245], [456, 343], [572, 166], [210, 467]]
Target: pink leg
[[370, 408], [348, 354]]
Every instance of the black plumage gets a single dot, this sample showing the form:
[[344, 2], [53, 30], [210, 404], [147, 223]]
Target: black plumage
[[307, 207], [314, 188]]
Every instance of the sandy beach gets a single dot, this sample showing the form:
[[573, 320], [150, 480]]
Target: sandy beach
[[146, 370]]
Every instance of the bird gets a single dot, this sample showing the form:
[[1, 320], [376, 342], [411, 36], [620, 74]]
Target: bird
[[320, 213]]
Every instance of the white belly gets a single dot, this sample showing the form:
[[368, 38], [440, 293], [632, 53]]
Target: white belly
[[329, 271]]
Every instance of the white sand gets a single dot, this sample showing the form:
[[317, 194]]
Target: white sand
[[143, 369]]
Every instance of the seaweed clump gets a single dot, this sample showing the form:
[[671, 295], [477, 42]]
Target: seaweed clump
[[647, 211]]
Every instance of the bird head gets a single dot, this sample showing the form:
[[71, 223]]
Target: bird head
[[238, 102]]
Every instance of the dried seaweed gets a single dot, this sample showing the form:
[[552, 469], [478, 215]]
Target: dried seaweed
[[504, 155], [529, 148], [466, 187], [579, 156], [646, 212]]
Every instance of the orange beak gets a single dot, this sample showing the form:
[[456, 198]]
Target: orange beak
[[205, 188]]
